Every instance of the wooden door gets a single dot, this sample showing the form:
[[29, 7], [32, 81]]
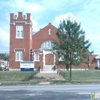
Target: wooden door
[[49, 59]]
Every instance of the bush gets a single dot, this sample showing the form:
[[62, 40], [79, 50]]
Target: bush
[[54, 68], [38, 68], [0, 68], [97, 68]]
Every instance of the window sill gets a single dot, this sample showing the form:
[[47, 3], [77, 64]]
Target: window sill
[[18, 60], [19, 37], [36, 60]]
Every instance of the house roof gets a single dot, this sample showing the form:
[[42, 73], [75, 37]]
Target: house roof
[[97, 57]]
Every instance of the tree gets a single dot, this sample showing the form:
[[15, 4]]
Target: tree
[[4, 56], [72, 46]]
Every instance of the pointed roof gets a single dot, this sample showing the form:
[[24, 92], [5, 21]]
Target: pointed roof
[[49, 25], [97, 57]]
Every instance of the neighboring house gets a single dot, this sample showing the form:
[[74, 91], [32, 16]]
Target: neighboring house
[[26, 46], [4, 64], [98, 60]]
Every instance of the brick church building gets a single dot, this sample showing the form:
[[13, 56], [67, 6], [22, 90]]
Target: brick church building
[[26, 46]]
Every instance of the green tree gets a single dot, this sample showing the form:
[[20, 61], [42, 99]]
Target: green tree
[[72, 46], [4, 56]]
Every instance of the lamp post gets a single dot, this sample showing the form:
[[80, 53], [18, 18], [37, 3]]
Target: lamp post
[[70, 68], [88, 62], [31, 52]]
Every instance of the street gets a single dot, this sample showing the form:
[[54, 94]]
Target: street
[[49, 92]]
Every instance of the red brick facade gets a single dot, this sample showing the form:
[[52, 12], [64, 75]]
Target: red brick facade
[[34, 42], [24, 43], [40, 37]]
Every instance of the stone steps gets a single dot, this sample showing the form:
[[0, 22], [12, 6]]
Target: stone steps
[[48, 68], [48, 71]]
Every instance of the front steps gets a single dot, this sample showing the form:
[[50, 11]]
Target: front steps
[[48, 71], [48, 68]]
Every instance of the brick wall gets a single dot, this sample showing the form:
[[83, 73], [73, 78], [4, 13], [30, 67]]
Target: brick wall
[[24, 44]]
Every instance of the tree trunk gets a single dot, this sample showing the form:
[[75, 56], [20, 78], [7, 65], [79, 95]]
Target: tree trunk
[[67, 67]]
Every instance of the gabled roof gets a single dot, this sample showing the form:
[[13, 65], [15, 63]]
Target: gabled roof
[[49, 24], [97, 57]]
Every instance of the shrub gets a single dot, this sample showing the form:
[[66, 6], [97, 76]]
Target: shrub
[[38, 68], [97, 68], [54, 68], [0, 68]]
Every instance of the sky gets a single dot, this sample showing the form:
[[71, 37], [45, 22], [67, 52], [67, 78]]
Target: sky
[[86, 12]]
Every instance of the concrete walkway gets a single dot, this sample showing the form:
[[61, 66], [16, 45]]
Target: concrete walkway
[[47, 77]]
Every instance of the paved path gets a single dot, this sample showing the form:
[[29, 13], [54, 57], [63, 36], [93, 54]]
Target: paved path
[[48, 77]]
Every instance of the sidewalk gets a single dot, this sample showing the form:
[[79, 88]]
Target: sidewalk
[[46, 78]]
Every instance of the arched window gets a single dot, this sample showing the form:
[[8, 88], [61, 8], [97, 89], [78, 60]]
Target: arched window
[[46, 45]]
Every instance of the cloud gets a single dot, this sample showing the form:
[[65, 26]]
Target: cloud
[[89, 18], [53, 4], [11, 6], [27, 6], [98, 47], [4, 35], [4, 41], [90, 26], [35, 25], [45, 11], [64, 17], [62, 5], [20, 5]]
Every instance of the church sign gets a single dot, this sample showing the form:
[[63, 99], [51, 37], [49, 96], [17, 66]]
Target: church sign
[[27, 66]]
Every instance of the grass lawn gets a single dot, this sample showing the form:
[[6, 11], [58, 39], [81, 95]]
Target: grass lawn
[[16, 77], [82, 76], [78, 76]]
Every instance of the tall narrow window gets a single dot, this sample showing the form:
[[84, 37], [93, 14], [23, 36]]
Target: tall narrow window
[[99, 63], [49, 31], [19, 55], [61, 58], [19, 32], [76, 56], [47, 44], [36, 56]]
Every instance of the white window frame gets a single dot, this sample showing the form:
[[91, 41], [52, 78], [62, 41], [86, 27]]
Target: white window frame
[[49, 31], [99, 63], [19, 31], [77, 58], [19, 55], [47, 45], [36, 56], [61, 58]]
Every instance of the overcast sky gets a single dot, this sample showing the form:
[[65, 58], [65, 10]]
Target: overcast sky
[[86, 12]]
